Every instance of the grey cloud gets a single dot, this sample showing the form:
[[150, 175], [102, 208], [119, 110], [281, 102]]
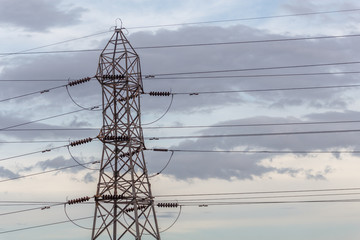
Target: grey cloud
[[6, 173], [89, 178], [38, 15], [239, 56], [246, 166]]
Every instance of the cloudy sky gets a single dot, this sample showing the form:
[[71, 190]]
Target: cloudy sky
[[276, 83]]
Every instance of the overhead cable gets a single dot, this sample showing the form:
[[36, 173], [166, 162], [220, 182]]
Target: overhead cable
[[190, 23], [190, 45], [260, 192], [45, 172], [205, 77], [42, 119], [260, 151], [262, 124], [216, 136], [258, 68], [44, 225], [247, 19], [254, 134]]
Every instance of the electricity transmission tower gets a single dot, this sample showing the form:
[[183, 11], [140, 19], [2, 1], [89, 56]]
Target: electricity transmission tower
[[124, 203]]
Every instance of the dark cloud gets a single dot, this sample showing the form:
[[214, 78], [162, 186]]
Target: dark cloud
[[248, 165], [313, 104], [6, 173], [38, 15]]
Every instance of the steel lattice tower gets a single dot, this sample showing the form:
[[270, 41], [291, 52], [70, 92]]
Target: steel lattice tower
[[124, 203]]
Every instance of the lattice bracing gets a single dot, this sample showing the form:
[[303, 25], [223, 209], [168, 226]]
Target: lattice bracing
[[124, 203]]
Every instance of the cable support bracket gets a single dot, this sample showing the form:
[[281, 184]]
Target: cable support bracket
[[80, 142], [78, 200], [168, 205], [159, 94], [79, 81]]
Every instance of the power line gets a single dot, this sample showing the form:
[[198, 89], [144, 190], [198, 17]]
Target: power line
[[45, 172], [214, 136], [183, 24], [201, 77], [213, 92], [257, 69], [32, 93], [264, 197], [42, 119], [30, 209], [247, 42], [245, 19], [266, 90], [254, 75], [194, 126], [259, 192], [44, 225], [51, 44], [31, 153], [256, 124], [262, 151], [253, 134], [184, 203], [191, 44]]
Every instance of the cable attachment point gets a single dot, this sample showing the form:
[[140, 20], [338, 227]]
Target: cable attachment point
[[113, 76], [141, 207], [46, 207], [168, 205], [80, 81], [46, 150], [44, 91], [79, 142], [78, 200], [160, 150], [158, 94], [111, 197], [116, 138], [150, 76]]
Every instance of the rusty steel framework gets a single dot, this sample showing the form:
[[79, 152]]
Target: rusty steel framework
[[124, 203]]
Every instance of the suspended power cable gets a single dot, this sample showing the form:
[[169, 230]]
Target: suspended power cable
[[191, 45], [260, 192], [79, 163], [256, 124], [31, 153], [159, 172], [251, 76], [163, 115], [215, 136], [257, 69], [184, 24], [247, 42], [202, 77], [205, 204], [32, 93], [53, 44], [48, 129], [44, 172], [71, 83], [258, 151], [253, 134], [44, 225], [246, 19], [34, 80], [187, 199], [175, 221], [195, 126], [31, 209], [265, 90], [43, 119]]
